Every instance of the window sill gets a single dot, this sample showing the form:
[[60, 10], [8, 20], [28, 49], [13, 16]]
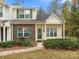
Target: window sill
[[24, 37]]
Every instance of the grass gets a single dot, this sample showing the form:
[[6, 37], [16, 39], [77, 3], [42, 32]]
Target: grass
[[45, 54]]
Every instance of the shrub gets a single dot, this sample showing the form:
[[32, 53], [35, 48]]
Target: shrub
[[20, 42], [23, 42], [7, 44], [61, 44], [76, 33]]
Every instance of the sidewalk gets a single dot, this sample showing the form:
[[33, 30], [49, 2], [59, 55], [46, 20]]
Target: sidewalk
[[38, 47]]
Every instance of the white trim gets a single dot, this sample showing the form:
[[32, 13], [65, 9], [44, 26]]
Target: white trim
[[3, 33], [60, 21], [18, 32], [45, 33], [24, 13], [42, 33], [23, 28], [35, 32], [23, 31], [0, 34], [50, 31], [11, 32]]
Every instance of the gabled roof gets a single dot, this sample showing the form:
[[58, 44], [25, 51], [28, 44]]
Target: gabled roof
[[54, 19]]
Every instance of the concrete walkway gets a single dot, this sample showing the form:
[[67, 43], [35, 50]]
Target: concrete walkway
[[38, 47]]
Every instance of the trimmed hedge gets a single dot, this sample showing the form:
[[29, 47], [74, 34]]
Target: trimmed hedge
[[20, 42], [61, 44], [7, 44], [24, 42]]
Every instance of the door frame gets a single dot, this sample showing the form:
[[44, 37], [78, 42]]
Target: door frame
[[37, 34]]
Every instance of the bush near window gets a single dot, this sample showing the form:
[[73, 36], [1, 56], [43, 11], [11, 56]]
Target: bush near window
[[23, 42], [7, 44], [20, 42], [61, 44]]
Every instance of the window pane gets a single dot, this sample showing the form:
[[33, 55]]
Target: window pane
[[20, 31], [26, 32], [20, 13], [39, 31], [55, 31], [1, 11], [47, 32], [51, 32], [20, 34], [27, 15]]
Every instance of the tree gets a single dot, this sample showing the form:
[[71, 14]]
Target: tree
[[53, 7], [65, 12], [76, 32], [72, 19]]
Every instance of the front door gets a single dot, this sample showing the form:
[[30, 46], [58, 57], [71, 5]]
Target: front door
[[39, 34]]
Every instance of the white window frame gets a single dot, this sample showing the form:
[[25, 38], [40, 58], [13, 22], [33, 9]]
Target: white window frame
[[18, 32], [26, 28], [24, 13], [23, 28], [48, 34]]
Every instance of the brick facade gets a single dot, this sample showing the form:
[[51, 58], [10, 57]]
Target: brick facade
[[15, 26]]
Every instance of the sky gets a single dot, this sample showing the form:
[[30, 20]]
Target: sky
[[36, 3]]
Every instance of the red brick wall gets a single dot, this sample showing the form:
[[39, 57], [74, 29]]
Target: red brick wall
[[24, 25]]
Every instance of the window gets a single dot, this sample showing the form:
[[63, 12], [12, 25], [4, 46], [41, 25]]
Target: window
[[23, 14], [48, 32], [78, 2], [51, 32], [27, 15], [1, 11], [20, 32], [24, 31], [55, 31], [20, 13]]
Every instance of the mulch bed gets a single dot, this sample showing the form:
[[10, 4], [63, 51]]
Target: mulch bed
[[16, 47]]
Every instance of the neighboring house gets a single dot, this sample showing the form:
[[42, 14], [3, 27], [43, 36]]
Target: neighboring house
[[17, 22]]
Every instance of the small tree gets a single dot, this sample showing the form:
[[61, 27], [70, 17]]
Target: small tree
[[76, 33]]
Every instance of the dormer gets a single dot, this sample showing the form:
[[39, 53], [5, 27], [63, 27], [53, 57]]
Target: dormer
[[23, 13], [26, 13]]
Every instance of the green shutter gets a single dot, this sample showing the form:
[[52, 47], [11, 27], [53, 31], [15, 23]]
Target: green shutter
[[30, 30], [31, 13], [17, 13]]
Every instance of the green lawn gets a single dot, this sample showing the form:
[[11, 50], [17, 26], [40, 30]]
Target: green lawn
[[45, 54]]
